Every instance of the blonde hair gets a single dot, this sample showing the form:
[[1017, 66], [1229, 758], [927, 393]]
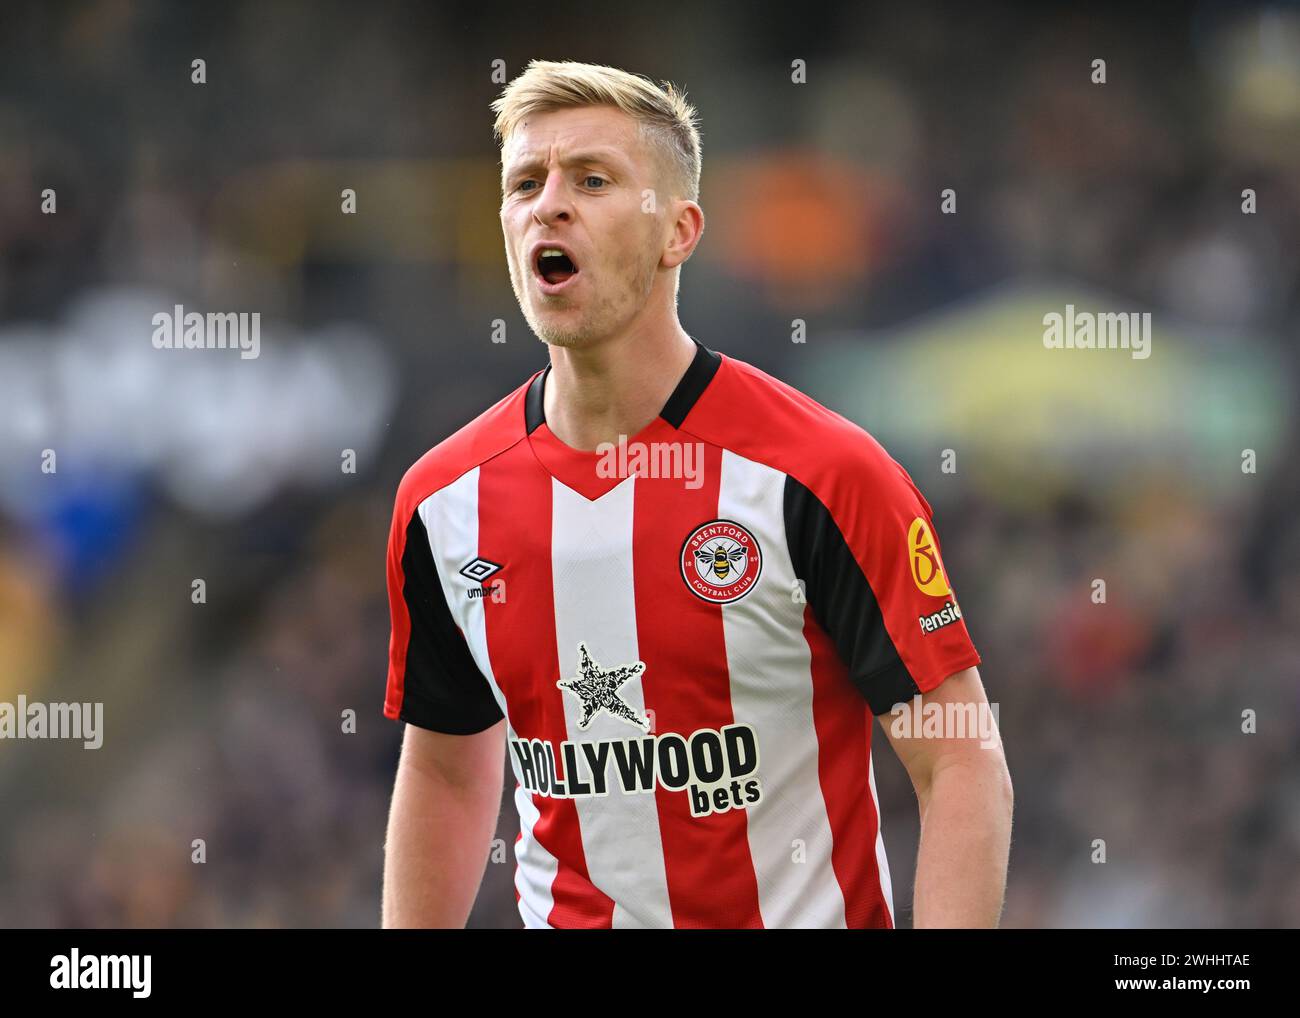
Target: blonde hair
[[667, 121]]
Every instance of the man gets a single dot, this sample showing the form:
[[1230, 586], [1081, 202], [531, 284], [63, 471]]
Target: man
[[670, 588]]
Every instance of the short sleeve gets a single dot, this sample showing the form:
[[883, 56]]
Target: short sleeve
[[433, 681], [865, 546]]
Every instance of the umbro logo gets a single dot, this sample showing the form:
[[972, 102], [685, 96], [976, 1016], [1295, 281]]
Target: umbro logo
[[476, 572], [479, 570]]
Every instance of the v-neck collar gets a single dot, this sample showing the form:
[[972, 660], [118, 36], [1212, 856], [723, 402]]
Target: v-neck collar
[[577, 469]]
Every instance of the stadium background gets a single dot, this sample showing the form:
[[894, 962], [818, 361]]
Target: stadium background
[[1122, 721]]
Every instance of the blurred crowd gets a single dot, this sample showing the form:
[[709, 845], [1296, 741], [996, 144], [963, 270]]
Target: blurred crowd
[[246, 768]]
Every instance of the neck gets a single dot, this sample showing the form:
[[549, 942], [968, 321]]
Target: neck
[[615, 387]]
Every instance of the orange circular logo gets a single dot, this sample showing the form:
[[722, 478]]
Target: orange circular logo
[[923, 558]]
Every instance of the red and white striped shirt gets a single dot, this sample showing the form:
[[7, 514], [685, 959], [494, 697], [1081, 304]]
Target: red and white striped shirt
[[687, 636]]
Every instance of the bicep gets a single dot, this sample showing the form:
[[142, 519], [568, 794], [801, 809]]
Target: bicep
[[456, 761], [953, 722]]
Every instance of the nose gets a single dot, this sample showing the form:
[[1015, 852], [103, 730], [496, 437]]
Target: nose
[[553, 204]]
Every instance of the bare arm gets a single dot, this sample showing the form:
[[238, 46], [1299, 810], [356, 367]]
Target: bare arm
[[965, 798], [445, 803]]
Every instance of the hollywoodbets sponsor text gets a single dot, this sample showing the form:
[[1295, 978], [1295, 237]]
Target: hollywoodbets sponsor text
[[713, 766]]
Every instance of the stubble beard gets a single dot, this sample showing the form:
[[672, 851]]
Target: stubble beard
[[610, 312]]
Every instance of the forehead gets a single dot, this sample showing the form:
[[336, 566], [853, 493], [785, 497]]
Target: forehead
[[602, 130]]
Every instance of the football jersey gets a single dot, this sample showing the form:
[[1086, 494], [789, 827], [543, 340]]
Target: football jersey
[[687, 633]]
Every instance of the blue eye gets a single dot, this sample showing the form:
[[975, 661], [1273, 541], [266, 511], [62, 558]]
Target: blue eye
[[594, 177]]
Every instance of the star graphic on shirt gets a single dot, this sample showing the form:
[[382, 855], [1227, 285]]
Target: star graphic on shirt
[[597, 688]]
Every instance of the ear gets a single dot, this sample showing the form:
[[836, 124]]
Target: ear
[[686, 219]]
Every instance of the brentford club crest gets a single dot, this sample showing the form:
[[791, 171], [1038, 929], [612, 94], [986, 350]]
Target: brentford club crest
[[721, 561]]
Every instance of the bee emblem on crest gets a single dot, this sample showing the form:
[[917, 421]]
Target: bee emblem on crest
[[721, 561]]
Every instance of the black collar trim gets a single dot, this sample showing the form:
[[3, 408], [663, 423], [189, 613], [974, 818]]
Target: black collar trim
[[684, 397]]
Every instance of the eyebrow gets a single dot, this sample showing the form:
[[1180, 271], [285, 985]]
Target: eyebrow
[[606, 156]]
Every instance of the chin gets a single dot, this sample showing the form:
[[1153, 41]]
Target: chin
[[554, 333], [567, 340]]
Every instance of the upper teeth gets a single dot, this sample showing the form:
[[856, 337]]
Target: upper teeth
[[547, 251]]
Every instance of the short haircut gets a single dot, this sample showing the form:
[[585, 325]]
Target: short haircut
[[667, 121]]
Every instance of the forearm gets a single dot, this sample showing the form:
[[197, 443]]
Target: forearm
[[436, 850], [961, 866]]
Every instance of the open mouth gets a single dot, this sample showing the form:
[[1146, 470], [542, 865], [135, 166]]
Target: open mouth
[[554, 266]]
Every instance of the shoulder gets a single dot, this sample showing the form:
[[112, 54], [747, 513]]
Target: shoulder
[[492, 432], [757, 416]]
